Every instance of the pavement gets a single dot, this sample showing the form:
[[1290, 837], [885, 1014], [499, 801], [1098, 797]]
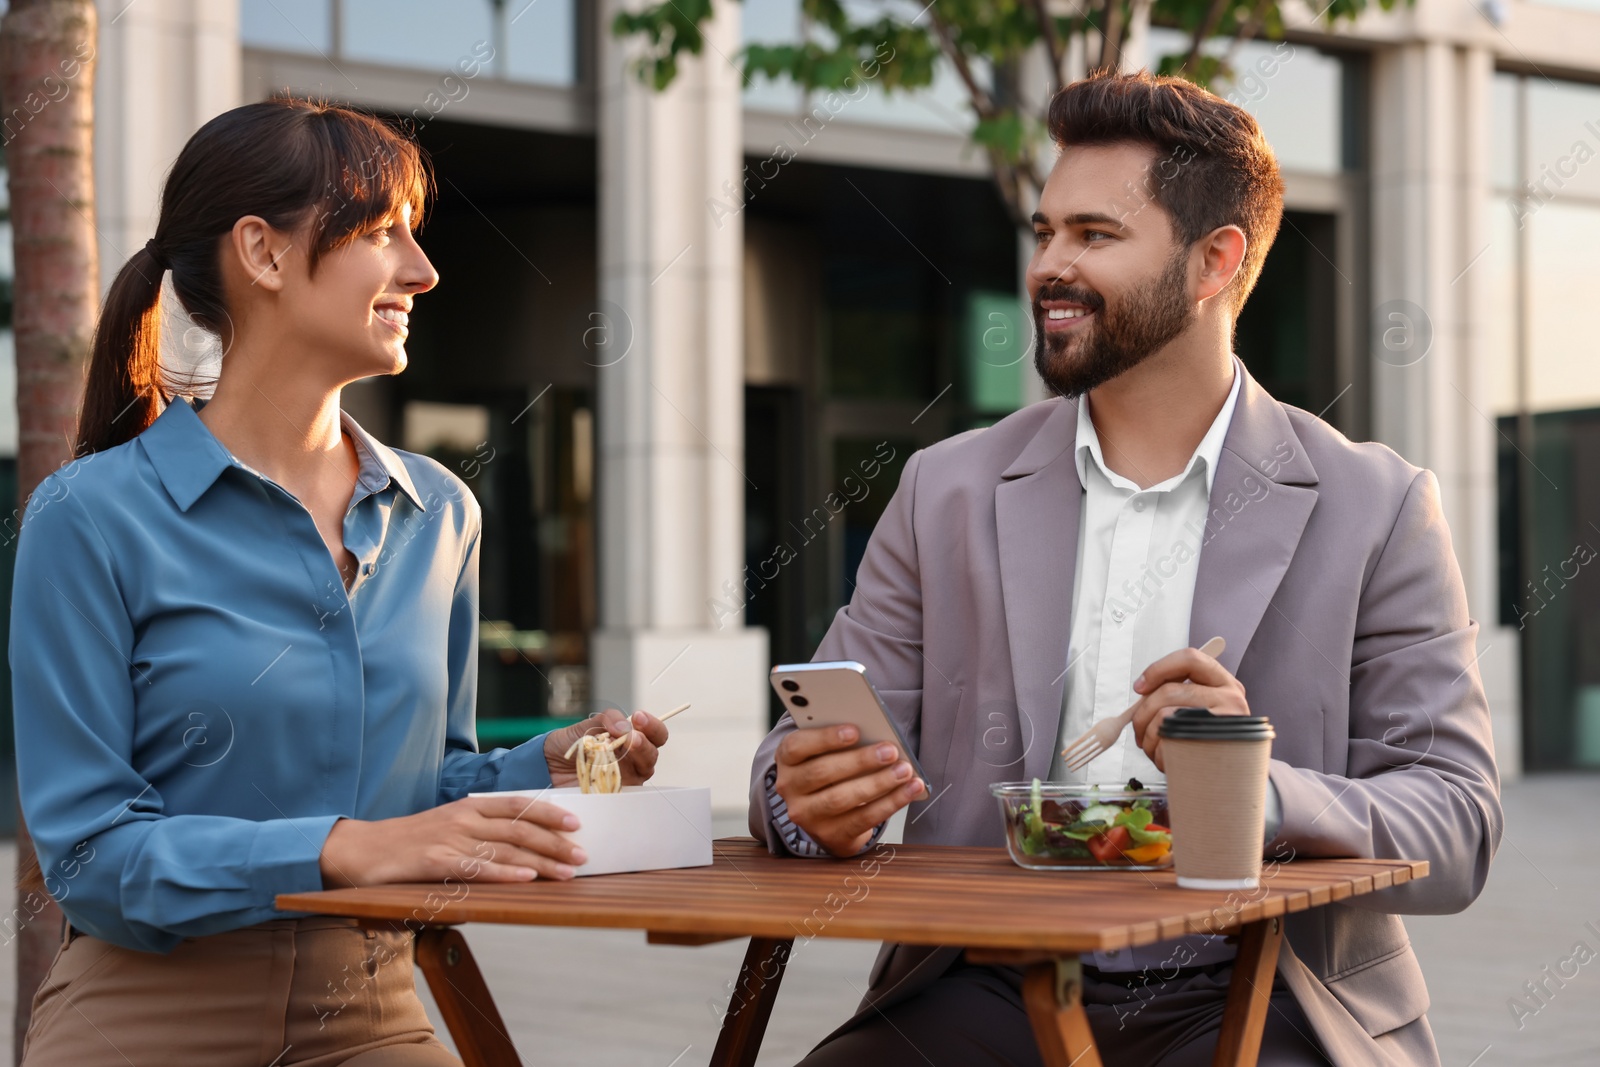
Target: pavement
[[606, 999]]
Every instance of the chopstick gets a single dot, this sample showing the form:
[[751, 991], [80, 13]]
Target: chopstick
[[659, 718]]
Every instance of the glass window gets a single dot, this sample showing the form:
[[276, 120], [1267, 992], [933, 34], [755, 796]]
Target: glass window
[[8, 407], [853, 458], [541, 41], [1563, 138], [1553, 598], [881, 325], [416, 33], [943, 106], [431, 428], [1498, 323], [771, 22], [1563, 273], [997, 352], [1503, 131], [287, 25], [1549, 483], [1294, 93], [8, 354], [1293, 90]]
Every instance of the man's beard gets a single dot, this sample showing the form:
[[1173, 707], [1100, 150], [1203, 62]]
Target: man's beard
[[1120, 337]]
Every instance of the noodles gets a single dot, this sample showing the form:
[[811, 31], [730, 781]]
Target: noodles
[[594, 757], [596, 763]]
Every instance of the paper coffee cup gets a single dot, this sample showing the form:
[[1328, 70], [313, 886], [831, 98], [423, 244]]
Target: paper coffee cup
[[1216, 767]]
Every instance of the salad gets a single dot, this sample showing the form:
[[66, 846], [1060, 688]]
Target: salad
[[1110, 829]]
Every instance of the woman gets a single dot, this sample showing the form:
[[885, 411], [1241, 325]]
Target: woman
[[244, 634]]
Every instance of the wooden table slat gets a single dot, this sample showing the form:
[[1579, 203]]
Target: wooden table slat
[[931, 895]]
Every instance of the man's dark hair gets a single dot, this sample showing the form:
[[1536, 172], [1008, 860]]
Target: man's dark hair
[[1212, 167]]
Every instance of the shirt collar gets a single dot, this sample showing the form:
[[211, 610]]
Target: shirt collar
[[189, 459], [379, 463], [1208, 453]]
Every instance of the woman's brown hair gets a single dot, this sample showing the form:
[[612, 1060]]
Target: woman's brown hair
[[291, 161], [288, 160], [1213, 166]]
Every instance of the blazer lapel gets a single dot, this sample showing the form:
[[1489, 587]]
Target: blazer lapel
[[1036, 516], [1260, 502]]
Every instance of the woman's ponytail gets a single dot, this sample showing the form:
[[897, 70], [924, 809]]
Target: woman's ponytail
[[123, 394]]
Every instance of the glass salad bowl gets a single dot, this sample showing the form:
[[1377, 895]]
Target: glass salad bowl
[[1055, 826]]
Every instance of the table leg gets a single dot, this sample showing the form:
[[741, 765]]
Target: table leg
[[463, 998], [1249, 993], [1053, 994], [750, 1005]]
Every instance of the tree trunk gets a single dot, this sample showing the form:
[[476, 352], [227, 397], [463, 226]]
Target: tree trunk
[[47, 58]]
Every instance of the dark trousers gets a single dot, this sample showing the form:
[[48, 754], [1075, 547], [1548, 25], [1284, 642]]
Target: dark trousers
[[974, 1016]]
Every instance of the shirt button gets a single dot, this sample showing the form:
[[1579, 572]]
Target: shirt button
[[368, 568], [1118, 614], [1138, 505]]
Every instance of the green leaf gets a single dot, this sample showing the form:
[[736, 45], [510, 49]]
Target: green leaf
[[1007, 132], [1136, 819]]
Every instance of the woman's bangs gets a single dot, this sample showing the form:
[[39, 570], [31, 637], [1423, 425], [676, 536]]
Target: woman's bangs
[[372, 174]]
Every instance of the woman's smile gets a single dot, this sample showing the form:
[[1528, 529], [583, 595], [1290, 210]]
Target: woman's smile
[[394, 317]]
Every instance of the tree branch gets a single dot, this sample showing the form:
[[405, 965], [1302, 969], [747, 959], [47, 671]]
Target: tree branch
[[1052, 44], [1203, 32], [982, 103], [1111, 43], [1247, 30]]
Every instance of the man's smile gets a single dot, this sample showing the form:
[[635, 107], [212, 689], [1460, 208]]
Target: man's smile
[[1061, 316]]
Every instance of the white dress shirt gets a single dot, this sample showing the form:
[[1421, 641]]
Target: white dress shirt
[[1133, 592], [1133, 589]]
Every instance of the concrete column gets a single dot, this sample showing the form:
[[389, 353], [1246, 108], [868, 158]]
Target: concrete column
[[166, 67], [1430, 375], [671, 411]]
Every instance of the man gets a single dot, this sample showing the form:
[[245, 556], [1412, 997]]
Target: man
[[1051, 570]]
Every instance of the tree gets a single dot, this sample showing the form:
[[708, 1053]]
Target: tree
[[47, 88], [992, 45]]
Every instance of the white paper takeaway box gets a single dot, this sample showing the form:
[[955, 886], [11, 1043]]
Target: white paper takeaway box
[[642, 828]]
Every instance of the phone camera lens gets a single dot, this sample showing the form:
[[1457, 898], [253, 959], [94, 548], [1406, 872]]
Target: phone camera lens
[[799, 701], [791, 685]]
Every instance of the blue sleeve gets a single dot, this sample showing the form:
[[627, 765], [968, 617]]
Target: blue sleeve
[[796, 840], [465, 769], [120, 868]]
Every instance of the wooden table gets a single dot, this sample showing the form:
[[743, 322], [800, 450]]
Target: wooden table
[[925, 895]]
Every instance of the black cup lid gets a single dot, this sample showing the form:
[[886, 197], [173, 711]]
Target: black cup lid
[[1200, 724]]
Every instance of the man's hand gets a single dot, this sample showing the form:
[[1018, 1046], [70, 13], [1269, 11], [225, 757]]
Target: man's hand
[[1187, 678], [637, 756], [837, 793]]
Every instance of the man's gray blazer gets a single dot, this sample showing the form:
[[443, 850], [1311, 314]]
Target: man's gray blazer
[[1327, 566]]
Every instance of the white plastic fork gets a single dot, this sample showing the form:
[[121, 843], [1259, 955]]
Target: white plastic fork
[[1103, 734]]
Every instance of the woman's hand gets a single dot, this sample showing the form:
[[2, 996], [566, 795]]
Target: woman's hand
[[475, 839], [637, 756]]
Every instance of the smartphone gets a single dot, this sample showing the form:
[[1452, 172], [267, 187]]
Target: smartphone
[[835, 694]]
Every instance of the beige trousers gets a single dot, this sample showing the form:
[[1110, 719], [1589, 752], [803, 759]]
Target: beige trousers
[[310, 992]]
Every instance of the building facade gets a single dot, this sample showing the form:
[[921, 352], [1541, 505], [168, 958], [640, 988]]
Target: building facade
[[685, 341]]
